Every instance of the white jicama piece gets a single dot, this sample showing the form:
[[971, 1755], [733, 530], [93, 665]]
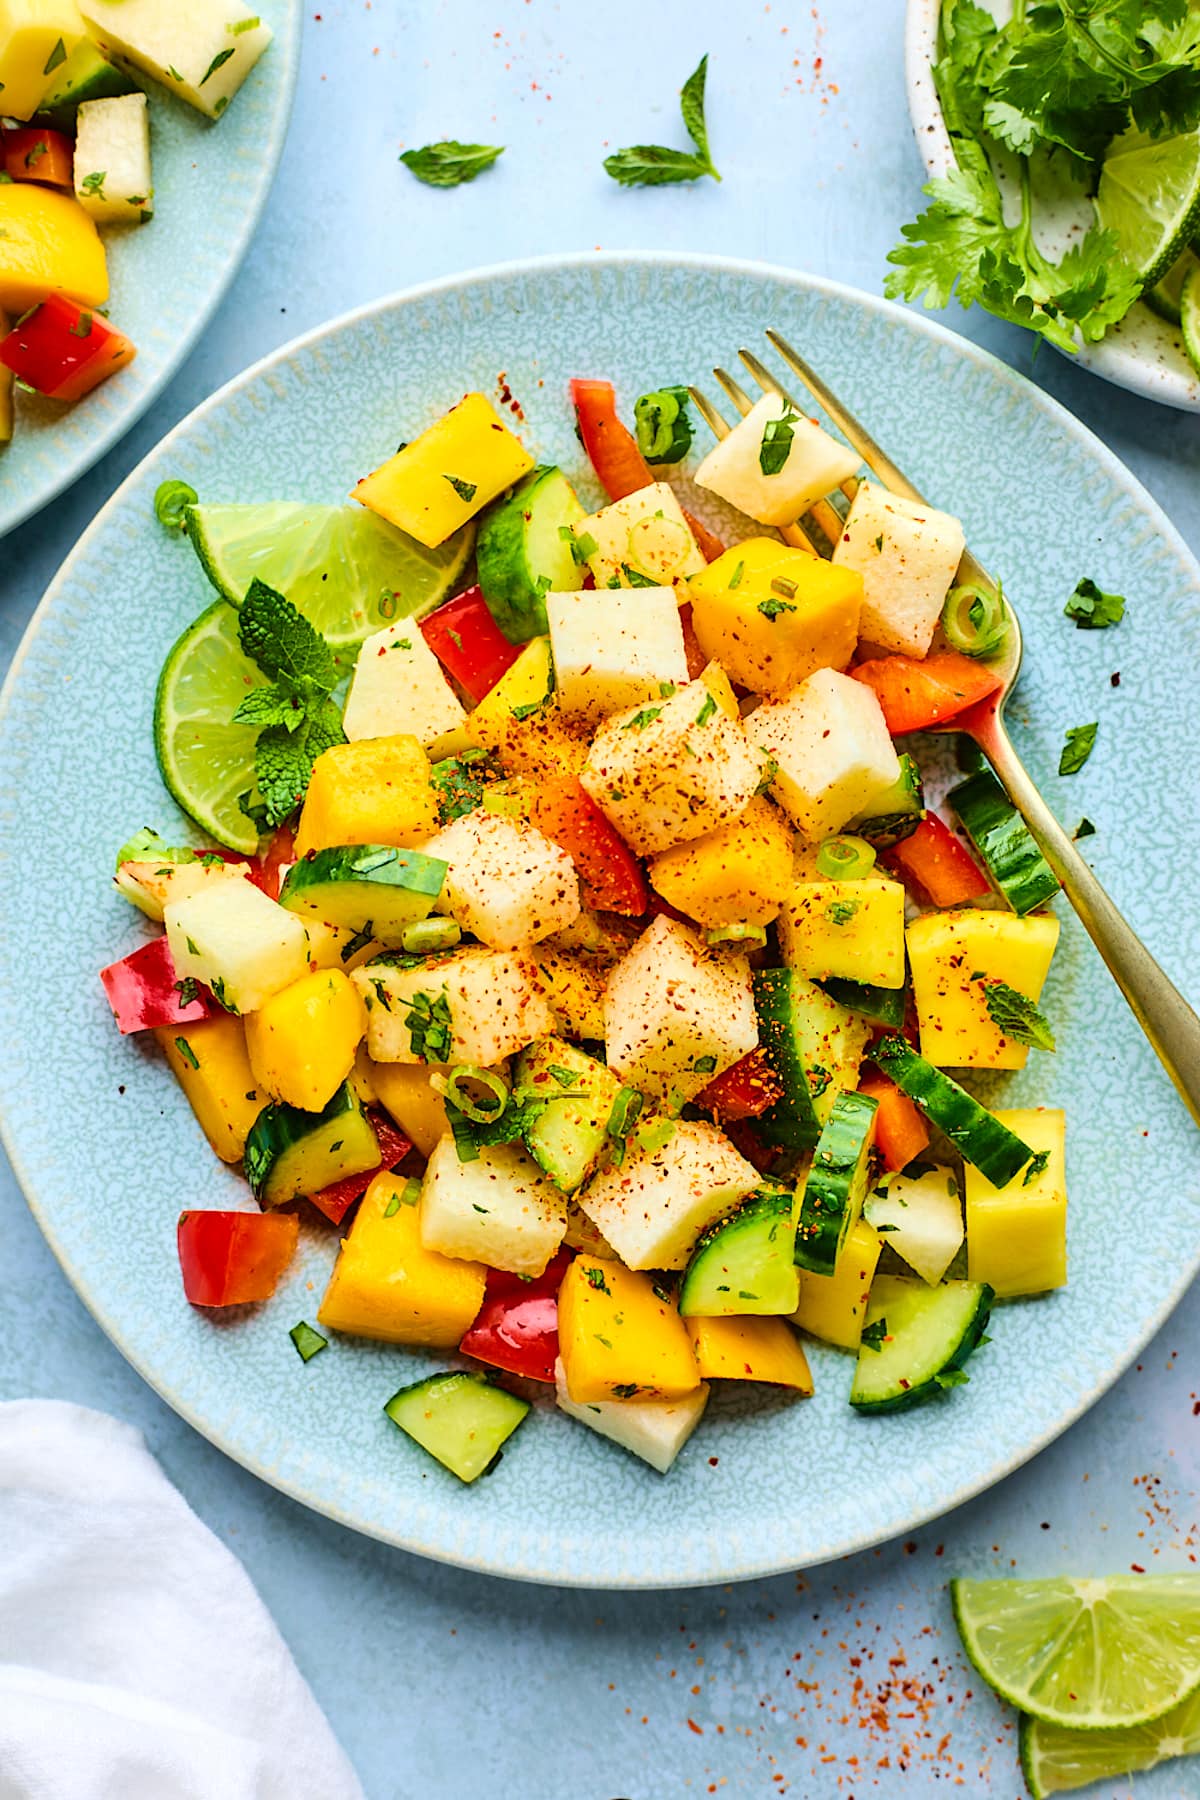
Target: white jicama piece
[[398, 688], [334, 946], [922, 1219], [236, 941], [677, 1177], [498, 1209], [907, 555], [113, 181], [615, 648], [644, 535], [833, 749], [676, 1013], [472, 1005], [655, 1430], [505, 882], [150, 885], [805, 463], [201, 50]]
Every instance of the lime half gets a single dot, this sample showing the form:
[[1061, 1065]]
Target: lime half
[[1189, 314], [206, 761], [1149, 194], [1166, 296], [1056, 1760], [346, 569], [1089, 1654]]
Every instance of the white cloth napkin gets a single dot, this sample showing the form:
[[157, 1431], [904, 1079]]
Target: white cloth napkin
[[137, 1662]]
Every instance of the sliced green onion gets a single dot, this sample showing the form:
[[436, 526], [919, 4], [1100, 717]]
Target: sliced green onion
[[664, 431], [738, 933], [408, 1195], [309, 1343], [505, 800], [170, 502], [655, 1135], [625, 1109], [465, 1076], [975, 619], [425, 935], [846, 858]]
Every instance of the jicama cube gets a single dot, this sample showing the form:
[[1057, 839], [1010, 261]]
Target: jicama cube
[[1017, 1235], [505, 882], [499, 1208], [112, 159], [853, 930], [432, 486], [739, 874], [655, 1430], [803, 460], [472, 1005], [150, 884], [678, 1175], [615, 650], [770, 614], [202, 51], [643, 537], [954, 956], [922, 1218], [677, 1013], [237, 942], [408, 1093], [36, 37], [832, 748], [398, 688], [667, 773], [907, 554]]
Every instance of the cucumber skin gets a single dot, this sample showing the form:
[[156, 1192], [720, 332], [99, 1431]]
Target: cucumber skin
[[904, 808], [507, 580], [955, 1112], [791, 1124], [405, 872], [884, 1006], [1003, 842], [827, 1205], [759, 1207], [447, 1383], [279, 1128], [927, 1390]]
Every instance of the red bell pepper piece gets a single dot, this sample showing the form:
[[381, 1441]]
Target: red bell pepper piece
[[32, 153], [933, 857], [517, 1326], [143, 991], [917, 695], [901, 1134], [63, 351], [267, 873], [743, 1091], [336, 1200], [707, 542], [469, 644], [232, 1258], [611, 876], [611, 449]]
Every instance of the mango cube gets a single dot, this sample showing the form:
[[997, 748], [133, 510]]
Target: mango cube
[[36, 37], [210, 1063], [303, 1040], [376, 791], [953, 956], [742, 872], [386, 1284], [48, 245], [452, 471], [519, 720], [1017, 1235], [771, 615], [746, 1349], [850, 929], [833, 1307], [574, 992], [619, 1338], [408, 1094]]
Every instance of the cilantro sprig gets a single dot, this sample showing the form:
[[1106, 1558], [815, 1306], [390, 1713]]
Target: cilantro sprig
[[1092, 609], [297, 716], [656, 165]]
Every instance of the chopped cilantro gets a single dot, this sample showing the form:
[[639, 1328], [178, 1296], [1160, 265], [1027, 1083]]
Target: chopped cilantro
[[188, 1054], [841, 911], [776, 444], [1092, 609], [466, 490], [707, 710], [1080, 742], [735, 580], [771, 609], [641, 719], [218, 62], [595, 1279], [1084, 829], [875, 1335]]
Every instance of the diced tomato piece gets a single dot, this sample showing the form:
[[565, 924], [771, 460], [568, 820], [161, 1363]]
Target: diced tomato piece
[[743, 1091], [916, 695], [745, 1138], [901, 1133], [144, 994], [267, 873], [708, 543], [32, 153], [610, 874], [697, 662], [469, 644], [234, 1258], [63, 350], [933, 858], [517, 1326], [336, 1200], [611, 449]]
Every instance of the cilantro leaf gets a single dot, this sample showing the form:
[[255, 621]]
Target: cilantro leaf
[[449, 163], [776, 444], [276, 636], [655, 165], [1080, 742], [1016, 1015], [1092, 609], [874, 1335]]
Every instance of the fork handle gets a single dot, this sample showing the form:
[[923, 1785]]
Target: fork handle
[[1160, 1009]]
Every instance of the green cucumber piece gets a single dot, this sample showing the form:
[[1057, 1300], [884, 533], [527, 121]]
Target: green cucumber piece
[[290, 1153], [981, 1139], [86, 75], [568, 1135], [896, 812], [915, 1340], [745, 1263], [883, 1006], [1004, 843], [791, 1124], [461, 1418], [525, 549], [365, 887], [836, 1184]]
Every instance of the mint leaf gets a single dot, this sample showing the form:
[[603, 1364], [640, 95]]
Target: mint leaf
[[284, 758], [277, 704], [655, 165], [1092, 609], [874, 1335], [449, 163], [691, 105], [1016, 1016], [1080, 743], [276, 636]]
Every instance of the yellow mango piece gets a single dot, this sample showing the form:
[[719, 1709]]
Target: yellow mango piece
[[852, 929], [721, 688], [210, 1063], [1017, 1235], [375, 791], [528, 742], [302, 1041], [361, 1078], [407, 1093], [36, 38], [770, 614], [619, 1339], [948, 952], [746, 1349], [48, 245], [575, 993], [448, 474], [385, 1284], [741, 872], [832, 1307]]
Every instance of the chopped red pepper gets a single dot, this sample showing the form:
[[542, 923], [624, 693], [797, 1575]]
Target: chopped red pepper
[[611, 449], [33, 153], [63, 350], [267, 873], [611, 876], [901, 1134], [517, 1326], [469, 644], [707, 542], [916, 695], [233, 1258], [336, 1200], [697, 662], [143, 991], [743, 1091], [933, 858]]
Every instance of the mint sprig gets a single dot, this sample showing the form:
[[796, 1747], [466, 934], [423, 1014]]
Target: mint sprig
[[656, 165], [298, 719]]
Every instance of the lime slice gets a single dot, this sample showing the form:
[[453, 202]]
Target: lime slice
[[1149, 194], [1056, 1760], [1089, 1654], [1189, 315], [346, 569], [1165, 297], [205, 760]]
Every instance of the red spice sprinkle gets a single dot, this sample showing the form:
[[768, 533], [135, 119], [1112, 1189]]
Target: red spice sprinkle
[[698, 1729], [1137, 1568]]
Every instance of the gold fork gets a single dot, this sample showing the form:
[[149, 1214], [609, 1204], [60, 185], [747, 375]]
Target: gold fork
[[1169, 1023]]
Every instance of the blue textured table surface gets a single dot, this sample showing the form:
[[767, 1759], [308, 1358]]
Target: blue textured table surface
[[848, 1680]]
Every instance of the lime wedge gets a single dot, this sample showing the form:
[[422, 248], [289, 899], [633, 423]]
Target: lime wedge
[[1056, 1760], [1090, 1654], [1149, 194], [1189, 314], [205, 760], [1165, 297], [346, 569]]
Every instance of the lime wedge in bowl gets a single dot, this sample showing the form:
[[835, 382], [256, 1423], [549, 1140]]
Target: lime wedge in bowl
[[1189, 313], [1166, 296], [1056, 1760], [205, 759], [1149, 195]]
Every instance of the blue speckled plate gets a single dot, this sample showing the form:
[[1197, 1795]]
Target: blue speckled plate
[[167, 278], [108, 1152]]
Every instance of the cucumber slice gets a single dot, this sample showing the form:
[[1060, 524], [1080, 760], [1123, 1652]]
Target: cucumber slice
[[896, 813], [1190, 316], [1166, 296], [86, 75], [982, 1140], [290, 1153], [1149, 195], [461, 1418], [914, 1340], [745, 1263], [837, 1183], [784, 1032], [883, 1006], [567, 1136], [1003, 842], [206, 760], [372, 888], [525, 550]]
